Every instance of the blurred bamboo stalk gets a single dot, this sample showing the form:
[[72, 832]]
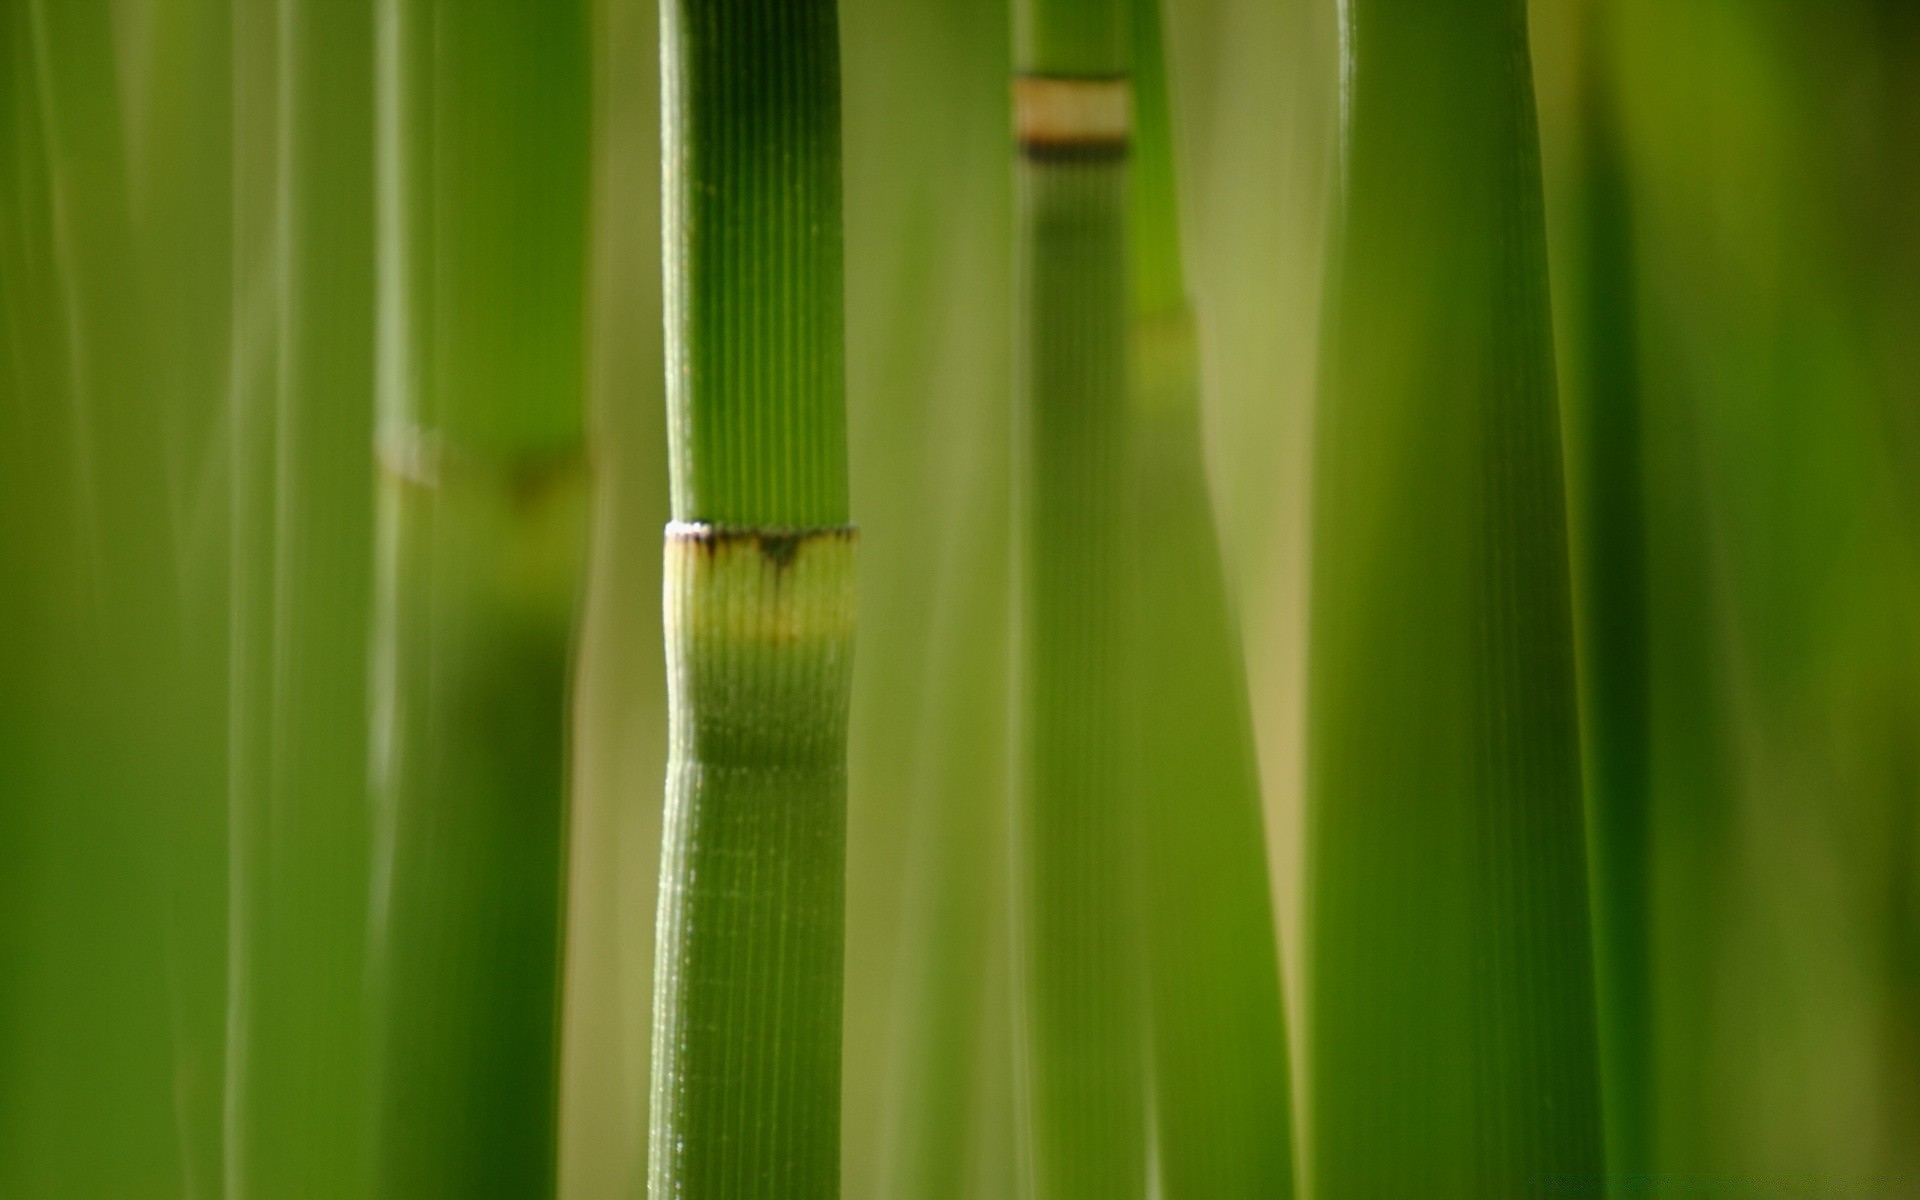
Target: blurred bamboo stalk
[[302, 553], [927, 1062], [1452, 1029], [1221, 1083], [483, 119], [101, 762], [1601, 390], [1076, 828], [620, 718]]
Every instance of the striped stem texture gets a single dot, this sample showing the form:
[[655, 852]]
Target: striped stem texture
[[759, 607], [747, 995], [482, 502], [756, 405], [1075, 818], [1452, 1006]]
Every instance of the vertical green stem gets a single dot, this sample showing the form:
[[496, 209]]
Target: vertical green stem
[[103, 766], [1609, 510], [1452, 1008], [1075, 827], [482, 499], [301, 433], [1222, 1107], [760, 575]]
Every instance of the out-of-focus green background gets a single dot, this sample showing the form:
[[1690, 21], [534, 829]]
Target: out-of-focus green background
[[1768, 161]]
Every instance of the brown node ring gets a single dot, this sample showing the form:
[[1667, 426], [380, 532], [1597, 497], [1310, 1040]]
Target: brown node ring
[[780, 544], [1072, 118]]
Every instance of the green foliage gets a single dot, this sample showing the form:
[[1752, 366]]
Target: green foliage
[[292, 348]]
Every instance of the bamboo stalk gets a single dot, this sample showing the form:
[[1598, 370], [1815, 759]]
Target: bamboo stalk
[[760, 578], [1606, 485], [1222, 1108], [1452, 1028], [482, 504], [929, 1108], [101, 762], [300, 436], [1075, 818], [181, 157], [620, 699]]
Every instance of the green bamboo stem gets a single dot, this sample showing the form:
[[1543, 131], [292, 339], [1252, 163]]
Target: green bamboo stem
[[182, 159], [300, 435], [481, 512], [751, 144], [1222, 1107], [1075, 817], [929, 1104], [100, 760], [1451, 1018], [760, 576], [1609, 509]]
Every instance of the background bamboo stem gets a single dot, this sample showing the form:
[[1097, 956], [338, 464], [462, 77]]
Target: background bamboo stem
[[296, 1117], [1222, 1108], [1451, 1024], [483, 163], [1075, 809]]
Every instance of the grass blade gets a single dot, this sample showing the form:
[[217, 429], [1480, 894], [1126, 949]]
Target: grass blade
[[1452, 1011], [1221, 1086], [1601, 389]]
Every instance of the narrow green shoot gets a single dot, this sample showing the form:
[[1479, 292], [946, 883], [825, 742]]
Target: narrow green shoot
[[1608, 505], [1451, 1019], [760, 580], [482, 503], [1075, 819], [1222, 1106]]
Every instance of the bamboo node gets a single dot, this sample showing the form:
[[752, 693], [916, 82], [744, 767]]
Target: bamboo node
[[1073, 117]]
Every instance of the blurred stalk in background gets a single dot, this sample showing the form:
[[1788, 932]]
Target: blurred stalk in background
[[110, 729], [1222, 1111], [1452, 1029], [620, 723], [1075, 896], [928, 1064], [1770, 155], [302, 556], [1600, 387], [483, 137]]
